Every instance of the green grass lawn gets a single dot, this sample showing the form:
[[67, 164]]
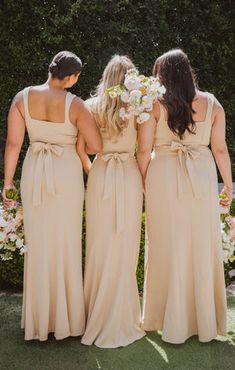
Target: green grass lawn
[[150, 353]]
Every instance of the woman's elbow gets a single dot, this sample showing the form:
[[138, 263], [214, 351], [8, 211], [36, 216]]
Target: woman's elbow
[[220, 151], [12, 146]]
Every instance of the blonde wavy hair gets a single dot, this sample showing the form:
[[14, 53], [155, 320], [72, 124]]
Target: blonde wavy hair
[[105, 109]]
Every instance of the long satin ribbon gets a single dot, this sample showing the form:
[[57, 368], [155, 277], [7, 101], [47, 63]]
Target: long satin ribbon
[[115, 172], [44, 163]]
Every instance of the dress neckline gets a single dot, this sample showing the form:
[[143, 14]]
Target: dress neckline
[[207, 115], [66, 111]]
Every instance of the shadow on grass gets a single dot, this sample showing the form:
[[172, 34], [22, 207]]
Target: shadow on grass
[[150, 353]]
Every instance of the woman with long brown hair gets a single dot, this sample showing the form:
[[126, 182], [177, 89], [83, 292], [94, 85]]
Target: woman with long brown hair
[[184, 291], [113, 219]]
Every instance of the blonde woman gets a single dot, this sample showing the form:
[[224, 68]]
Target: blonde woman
[[113, 204]]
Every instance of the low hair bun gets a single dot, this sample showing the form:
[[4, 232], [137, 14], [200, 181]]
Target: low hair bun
[[65, 63], [54, 70]]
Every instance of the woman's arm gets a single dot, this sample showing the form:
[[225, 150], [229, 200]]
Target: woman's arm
[[15, 138], [87, 126], [220, 152], [81, 150], [145, 138]]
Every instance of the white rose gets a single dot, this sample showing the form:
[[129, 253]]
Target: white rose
[[143, 117], [146, 99], [147, 103], [125, 97], [135, 95], [132, 83], [162, 89]]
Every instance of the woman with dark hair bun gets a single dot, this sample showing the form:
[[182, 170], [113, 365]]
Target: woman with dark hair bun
[[52, 194], [65, 64], [184, 290]]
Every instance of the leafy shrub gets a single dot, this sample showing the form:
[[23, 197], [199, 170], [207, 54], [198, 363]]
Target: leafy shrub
[[31, 32]]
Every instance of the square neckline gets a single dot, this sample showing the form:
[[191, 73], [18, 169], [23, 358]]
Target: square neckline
[[162, 111], [46, 121]]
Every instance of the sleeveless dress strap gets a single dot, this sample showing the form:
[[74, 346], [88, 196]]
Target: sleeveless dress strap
[[211, 100], [26, 104], [68, 100], [162, 116], [208, 122]]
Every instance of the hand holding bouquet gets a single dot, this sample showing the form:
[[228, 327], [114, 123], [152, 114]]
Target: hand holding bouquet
[[10, 196], [226, 197]]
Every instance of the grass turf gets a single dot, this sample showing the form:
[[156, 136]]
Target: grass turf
[[150, 353]]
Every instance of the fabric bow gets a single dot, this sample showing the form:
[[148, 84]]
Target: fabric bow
[[44, 162], [190, 153], [115, 171]]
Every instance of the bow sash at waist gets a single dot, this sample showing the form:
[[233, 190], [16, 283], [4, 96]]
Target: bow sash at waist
[[115, 174], [186, 158], [44, 164]]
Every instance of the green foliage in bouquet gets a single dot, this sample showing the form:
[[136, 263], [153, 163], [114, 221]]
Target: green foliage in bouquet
[[13, 194]]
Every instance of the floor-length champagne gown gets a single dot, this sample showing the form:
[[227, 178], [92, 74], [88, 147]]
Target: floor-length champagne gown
[[184, 291], [113, 209], [52, 195]]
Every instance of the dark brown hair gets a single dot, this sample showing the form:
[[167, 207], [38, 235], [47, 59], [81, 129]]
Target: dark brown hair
[[65, 64], [175, 72]]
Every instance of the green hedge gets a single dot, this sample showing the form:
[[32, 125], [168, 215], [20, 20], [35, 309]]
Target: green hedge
[[11, 272], [32, 31]]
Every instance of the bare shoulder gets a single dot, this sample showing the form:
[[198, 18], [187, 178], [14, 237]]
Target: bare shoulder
[[218, 114], [78, 103], [217, 105], [18, 98], [18, 102], [203, 96], [78, 109], [81, 105]]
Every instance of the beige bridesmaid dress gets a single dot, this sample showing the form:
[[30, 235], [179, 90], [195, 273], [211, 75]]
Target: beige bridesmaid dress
[[52, 195], [113, 211], [184, 292]]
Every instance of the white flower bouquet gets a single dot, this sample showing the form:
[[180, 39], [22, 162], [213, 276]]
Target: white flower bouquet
[[228, 237], [138, 94], [227, 234], [11, 229]]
